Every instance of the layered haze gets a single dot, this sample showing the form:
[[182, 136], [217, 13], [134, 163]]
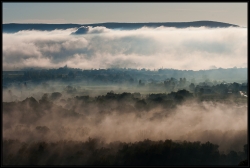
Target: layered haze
[[219, 123]]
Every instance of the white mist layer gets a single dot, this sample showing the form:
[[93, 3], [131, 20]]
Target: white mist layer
[[151, 48]]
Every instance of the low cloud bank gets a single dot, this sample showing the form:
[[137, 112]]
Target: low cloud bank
[[151, 48]]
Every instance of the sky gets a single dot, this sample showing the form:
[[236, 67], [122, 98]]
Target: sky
[[86, 13]]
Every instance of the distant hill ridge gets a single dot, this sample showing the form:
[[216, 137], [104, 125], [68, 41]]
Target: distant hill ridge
[[15, 27]]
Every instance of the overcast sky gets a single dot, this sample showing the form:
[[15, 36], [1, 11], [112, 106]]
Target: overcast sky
[[84, 13]]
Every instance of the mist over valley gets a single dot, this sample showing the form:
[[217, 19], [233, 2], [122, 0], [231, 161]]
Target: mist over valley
[[171, 93]]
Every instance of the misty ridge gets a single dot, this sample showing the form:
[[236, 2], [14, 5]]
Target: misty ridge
[[28, 82], [125, 94]]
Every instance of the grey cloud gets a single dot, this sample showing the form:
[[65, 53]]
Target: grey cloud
[[210, 47], [124, 45]]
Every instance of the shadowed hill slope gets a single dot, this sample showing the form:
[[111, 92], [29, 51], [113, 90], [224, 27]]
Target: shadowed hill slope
[[15, 27]]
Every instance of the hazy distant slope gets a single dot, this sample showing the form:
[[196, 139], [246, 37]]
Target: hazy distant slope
[[167, 24], [15, 27]]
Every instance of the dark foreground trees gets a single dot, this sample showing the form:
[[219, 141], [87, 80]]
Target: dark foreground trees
[[243, 163], [95, 152]]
